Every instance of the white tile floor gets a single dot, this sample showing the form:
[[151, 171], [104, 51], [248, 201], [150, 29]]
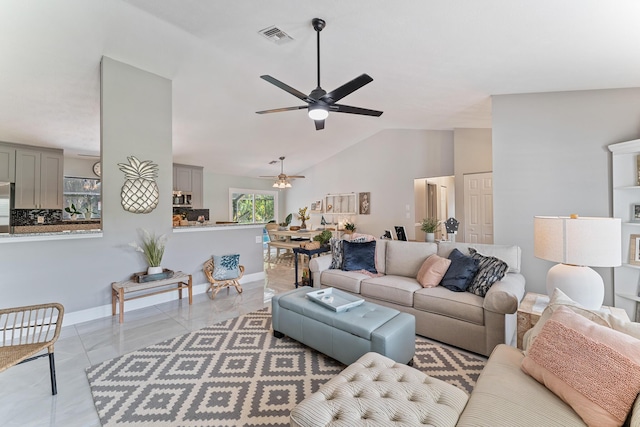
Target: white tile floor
[[25, 390]]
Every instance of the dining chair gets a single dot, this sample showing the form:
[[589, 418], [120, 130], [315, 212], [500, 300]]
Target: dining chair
[[26, 331]]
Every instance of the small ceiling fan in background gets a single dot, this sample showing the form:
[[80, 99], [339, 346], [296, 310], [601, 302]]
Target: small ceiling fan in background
[[319, 102], [282, 180]]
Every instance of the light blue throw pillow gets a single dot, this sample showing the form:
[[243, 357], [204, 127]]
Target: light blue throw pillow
[[225, 267]]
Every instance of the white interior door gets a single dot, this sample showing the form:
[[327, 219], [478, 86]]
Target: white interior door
[[478, 208]]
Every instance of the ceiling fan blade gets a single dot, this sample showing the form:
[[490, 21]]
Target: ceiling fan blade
[[347, 88], [279, 110], [319, 124], [267, 176], [287, 88], [356, 110], [295, 176]]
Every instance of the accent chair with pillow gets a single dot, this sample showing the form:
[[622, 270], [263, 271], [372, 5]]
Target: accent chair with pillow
[[410, 277], [223, 271]]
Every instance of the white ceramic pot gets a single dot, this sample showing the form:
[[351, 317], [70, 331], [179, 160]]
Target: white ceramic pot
[[430, 237], [154, 270]]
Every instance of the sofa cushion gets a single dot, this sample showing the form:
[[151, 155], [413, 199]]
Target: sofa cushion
[[345, 280], [460, 272], [510, 254], [406, 258], [432, 271], [395, 289], [458, 305], [505, 396], [596, 369], [490, 270], [359, 256]]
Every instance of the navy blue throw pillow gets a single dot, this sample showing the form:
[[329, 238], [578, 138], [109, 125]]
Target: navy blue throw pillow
[[359, 256], [460, 273]]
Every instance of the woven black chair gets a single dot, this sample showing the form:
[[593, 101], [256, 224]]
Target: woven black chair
[[26, 331]]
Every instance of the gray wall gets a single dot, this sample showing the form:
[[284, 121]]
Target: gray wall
[[550, 158], [386, 165], [472, 154], [136, 120]]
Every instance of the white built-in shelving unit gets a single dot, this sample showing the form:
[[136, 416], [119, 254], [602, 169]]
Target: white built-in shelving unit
[[626, 194]]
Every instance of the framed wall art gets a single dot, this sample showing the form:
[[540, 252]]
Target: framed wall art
[[635, 212], [634, 249], [364, 203]]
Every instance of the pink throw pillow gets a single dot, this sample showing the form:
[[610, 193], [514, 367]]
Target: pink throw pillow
[[432, 271], [594, 369]]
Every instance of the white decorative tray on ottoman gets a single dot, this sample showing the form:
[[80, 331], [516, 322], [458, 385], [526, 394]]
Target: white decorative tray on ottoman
[[334, 299]]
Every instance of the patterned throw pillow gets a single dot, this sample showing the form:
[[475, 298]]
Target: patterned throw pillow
[[490, 270], [337, 252], [226, 267]]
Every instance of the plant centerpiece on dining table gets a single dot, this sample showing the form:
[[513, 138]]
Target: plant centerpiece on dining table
[[302, 216], [284, 224], [429, 226], [153, 249]]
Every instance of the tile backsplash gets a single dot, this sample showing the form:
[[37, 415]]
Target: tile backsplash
[[21, 217]]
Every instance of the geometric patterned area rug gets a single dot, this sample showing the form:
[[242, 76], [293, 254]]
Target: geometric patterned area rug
[[235, 373]]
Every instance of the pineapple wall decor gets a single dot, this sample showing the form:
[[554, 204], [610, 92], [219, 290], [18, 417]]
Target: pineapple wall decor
[[140, 192]]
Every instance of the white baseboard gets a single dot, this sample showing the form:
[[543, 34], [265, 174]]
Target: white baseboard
[[93, 313]]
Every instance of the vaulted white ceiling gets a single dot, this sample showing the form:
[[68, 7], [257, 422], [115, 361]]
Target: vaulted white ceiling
[[435, 65]]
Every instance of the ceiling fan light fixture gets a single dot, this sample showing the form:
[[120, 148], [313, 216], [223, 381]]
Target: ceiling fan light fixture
[[318, 113]]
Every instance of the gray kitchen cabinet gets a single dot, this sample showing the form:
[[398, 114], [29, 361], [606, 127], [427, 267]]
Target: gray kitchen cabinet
[[39, 176], [7, 163], [189, 179]]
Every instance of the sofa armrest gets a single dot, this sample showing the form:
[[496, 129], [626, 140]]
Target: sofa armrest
[[505, 295], [319, 264]]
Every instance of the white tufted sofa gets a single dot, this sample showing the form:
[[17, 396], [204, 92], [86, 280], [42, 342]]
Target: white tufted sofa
[[376, 391]]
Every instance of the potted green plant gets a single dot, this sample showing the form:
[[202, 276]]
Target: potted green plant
[[73, 211], [284, 224], [323, 237], [349, 227], [153, 249], [429, 226]]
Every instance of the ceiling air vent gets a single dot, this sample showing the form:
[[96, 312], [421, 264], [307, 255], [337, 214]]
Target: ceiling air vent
[[276, 35]]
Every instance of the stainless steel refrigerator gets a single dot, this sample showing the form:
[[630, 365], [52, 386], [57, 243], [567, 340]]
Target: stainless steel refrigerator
[[6, 204]]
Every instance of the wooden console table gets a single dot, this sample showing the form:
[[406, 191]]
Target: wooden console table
[[120, 289], [533, 305]]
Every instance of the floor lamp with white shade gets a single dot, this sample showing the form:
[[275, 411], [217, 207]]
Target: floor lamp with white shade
[[578, 243]]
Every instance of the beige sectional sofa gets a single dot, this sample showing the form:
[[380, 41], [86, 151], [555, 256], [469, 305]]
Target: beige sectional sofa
[[461, 319], [376, 391]]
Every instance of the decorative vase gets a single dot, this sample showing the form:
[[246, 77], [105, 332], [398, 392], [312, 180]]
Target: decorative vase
[[303, 226], [430, 237], [154, 270], [74, 217]]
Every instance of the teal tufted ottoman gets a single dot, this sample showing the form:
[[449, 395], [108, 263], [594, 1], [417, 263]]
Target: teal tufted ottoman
[[347, 335]]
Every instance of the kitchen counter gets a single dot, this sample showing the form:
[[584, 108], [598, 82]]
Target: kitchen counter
[[195, 226], [53, 228], [51, 235]]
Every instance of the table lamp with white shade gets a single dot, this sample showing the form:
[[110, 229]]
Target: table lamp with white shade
[[578, 243]]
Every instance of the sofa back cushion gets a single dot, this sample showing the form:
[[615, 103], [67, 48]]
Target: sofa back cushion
[[510, 254], [405, 258]]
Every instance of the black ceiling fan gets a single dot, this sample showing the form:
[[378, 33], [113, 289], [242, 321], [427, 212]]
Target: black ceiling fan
[[319, 102]]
